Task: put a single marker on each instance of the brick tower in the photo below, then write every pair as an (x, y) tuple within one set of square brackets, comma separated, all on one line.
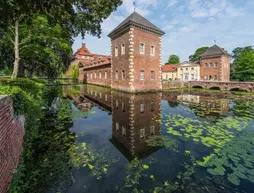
[(136, 55), (215, 64)]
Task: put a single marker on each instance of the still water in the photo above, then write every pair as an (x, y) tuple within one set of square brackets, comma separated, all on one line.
[(158, 142)]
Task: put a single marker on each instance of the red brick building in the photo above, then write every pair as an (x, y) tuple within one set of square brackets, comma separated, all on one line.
[(91, 65), (215, 64), (136, 58)]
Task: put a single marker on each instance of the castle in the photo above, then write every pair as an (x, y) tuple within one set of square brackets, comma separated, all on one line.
[(135, 61)]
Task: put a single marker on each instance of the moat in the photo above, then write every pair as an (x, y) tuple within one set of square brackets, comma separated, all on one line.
[(182, 141)]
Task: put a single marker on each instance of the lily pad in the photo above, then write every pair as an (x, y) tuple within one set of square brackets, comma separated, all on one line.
[(234, 179)]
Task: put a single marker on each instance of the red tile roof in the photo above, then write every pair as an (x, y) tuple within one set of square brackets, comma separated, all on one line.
[(169, 68), (83, 51)]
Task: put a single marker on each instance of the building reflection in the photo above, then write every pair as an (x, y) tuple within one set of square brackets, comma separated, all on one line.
[(202, 105), (133, 118), (133, 123)]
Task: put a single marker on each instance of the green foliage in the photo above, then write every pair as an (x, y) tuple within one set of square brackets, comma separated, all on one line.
[(173, 59), (196, 56), (76, 16), (243, 63)]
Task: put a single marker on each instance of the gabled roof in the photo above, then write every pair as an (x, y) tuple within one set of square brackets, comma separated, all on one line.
[(169, 68), (215, 51), (83, 51), (136, 20)]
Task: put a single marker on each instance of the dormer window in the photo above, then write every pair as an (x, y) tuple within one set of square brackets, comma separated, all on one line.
[(122, 49), (116, 51), (142, 48), (152, 50)]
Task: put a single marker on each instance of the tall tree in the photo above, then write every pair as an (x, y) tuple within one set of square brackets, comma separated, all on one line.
[(173, 59), (78, 16), (196, 56), (243, 63), (42, 47)]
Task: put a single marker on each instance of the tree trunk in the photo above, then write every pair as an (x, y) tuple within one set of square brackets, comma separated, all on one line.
[(16, 50)]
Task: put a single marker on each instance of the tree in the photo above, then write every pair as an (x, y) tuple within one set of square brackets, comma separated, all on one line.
[(244, 66), (196, 56), (42, 47), (77, 17), (173, 59)]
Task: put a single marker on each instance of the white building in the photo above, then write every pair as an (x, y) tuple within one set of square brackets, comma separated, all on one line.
[(188, 71)]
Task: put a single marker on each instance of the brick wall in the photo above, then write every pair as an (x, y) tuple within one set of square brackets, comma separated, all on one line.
[(11, 138), (221, 70), (97, 75)]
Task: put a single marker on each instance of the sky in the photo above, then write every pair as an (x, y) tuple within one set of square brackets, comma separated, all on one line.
[(188, 24)]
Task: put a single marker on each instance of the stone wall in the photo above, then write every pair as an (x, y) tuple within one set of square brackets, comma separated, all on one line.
[(171, 84), (11, 139)]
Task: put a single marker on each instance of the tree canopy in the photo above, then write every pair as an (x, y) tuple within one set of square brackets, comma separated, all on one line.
[(196, 56), (72, 17), (243, 63), (173, 59)]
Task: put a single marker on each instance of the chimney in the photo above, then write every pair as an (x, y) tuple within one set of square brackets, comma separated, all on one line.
[(83, 44)]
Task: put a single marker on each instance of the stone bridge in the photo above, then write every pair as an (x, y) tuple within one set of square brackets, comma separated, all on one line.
[(223, 86)]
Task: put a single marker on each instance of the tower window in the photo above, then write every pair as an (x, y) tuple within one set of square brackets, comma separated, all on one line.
[(142, 74), (142, 107), (142, 48), (215, 64), (152, 130), (116, 75), (152, 50), (123, 74), (123, 49), (211, 65), (117, 126), (106, 74), (100, 75), (95, 75), (142, 133), (152, 75), (116, 51), (123, 132), (152, 106)]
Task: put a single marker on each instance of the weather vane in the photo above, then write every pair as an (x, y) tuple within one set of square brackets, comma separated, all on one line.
[(214, 42), (134, 4)]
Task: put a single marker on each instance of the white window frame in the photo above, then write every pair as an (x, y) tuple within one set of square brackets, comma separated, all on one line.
[(116, 75), (142, 108), (123, 75), (142, 52), (152, 50), (122, 48), (152, 73), (117, 126), (116, 51), (142, 133), (124, 132), (152, 130), (142, 75)]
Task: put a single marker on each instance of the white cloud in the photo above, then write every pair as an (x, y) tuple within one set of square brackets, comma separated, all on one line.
[(171, 3)]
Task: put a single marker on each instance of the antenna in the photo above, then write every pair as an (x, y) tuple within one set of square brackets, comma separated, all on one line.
[(134, 4), (214, 42)]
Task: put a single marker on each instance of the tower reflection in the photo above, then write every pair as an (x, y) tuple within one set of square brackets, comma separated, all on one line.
[(133, 118)]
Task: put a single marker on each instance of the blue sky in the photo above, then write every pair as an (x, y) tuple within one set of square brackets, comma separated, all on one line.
[(189, 24)]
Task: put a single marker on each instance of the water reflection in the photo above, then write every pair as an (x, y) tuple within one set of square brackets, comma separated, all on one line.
[(134, 116)]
